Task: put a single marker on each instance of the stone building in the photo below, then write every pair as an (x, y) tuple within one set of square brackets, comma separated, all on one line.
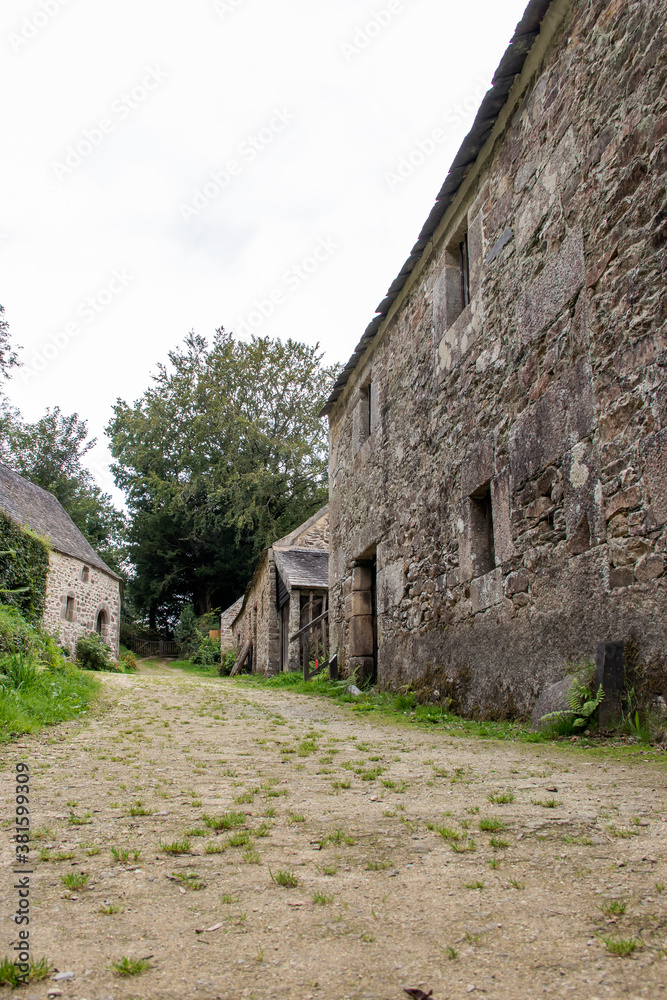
[(289, 588), (498, 462), (82, 593), (226, 621)]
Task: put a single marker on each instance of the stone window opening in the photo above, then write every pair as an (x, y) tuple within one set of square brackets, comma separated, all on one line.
[(69, 609), (464, 268), (482, 543), (85, 574)]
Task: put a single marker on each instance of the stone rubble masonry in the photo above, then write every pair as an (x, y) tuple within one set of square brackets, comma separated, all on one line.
[(258, 618), (92, 592), (541, 406)]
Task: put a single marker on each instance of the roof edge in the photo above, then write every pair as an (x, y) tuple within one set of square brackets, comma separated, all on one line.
[(511, 64)]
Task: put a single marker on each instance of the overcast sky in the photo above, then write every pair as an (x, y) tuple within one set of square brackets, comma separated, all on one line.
[(170, 165)]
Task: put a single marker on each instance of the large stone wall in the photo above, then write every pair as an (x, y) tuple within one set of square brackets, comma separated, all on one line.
[(90, 591), (540, 408), (258, 620)]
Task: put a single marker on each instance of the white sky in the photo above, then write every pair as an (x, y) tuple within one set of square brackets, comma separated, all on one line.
[(316, 101)]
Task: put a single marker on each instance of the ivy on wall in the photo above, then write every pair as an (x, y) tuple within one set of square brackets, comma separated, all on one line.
[(24, 563)]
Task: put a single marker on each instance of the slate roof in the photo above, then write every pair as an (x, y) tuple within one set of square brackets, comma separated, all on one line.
[(30, 506), (511, 64), (307, 568), (228, 617), (286, 541)]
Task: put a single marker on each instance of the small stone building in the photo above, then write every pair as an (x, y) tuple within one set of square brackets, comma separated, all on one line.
[(289, 589), (226, 621), (498, 440), (82, 593)]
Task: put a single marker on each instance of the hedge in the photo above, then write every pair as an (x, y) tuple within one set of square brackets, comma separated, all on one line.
[(24, 562)]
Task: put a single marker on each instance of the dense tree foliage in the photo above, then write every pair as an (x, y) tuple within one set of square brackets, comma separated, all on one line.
[(222, 454), (49, 453)]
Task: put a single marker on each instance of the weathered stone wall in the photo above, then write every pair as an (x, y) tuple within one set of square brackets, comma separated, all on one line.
[(259, 621), (91, 590), (542, 406), (259, 618)]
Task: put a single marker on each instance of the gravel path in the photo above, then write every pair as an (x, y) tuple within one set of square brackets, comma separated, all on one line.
[(420, 859)]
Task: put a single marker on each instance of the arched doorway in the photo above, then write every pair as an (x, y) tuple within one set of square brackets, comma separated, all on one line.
[(101, 623)]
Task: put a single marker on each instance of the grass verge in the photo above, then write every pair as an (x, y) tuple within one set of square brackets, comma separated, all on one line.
[(32, 696)]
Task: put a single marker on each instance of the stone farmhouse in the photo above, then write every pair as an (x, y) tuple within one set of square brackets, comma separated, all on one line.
[(289, 588), (498, 440), (82, 593)]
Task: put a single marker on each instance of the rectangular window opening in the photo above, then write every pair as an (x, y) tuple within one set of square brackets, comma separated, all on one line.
[(464, 267), (69, 610), (483, 548)]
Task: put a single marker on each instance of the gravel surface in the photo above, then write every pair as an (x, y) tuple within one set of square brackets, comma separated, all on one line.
[(418, 859)]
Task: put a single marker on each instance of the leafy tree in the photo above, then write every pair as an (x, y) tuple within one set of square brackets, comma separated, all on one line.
[(50, 453), (222, 454), (8, 356)]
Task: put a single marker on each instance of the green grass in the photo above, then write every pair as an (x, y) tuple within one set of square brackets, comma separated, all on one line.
[(9, 974), (130, 966), (34, 696), (501, 798), (614, 908), (322, 898), (285, 877), (176, 846), (75, 880), (491, 825), (620, 947), (227, 821)]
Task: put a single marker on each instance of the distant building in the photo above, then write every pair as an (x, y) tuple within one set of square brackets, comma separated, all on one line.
[(82, 593), (290, 587), (498, 440), (226, 621)]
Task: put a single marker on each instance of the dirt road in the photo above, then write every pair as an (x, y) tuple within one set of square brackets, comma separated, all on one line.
[(419, 859)]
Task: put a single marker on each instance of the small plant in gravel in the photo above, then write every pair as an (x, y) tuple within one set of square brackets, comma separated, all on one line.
[(239, 839), (46, 855), (618, 831), (501, 798), (329, 870), (464, 847), (227, 821), (12, 977), (545, 803), (75, 880), (176, 846), (228, 899), (498, 842), (451, 952), (215, 847), (263, 830), (138, 809), (92, 851), (124, 854), (285, 877), (295, 817), (446, 832), (620, 947), (196, 831), (84, 820), (110, 908), (493, 863), (251, 857), (474, 885), (491, 825), (322, 898), (189, 880), (515, 884), (377, 866), (614, 908), (130, 966)]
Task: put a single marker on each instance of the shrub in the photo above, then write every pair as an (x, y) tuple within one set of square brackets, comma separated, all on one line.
[(16, 634), (128, 661), (207, 653), (93, 654), (227, 663)]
